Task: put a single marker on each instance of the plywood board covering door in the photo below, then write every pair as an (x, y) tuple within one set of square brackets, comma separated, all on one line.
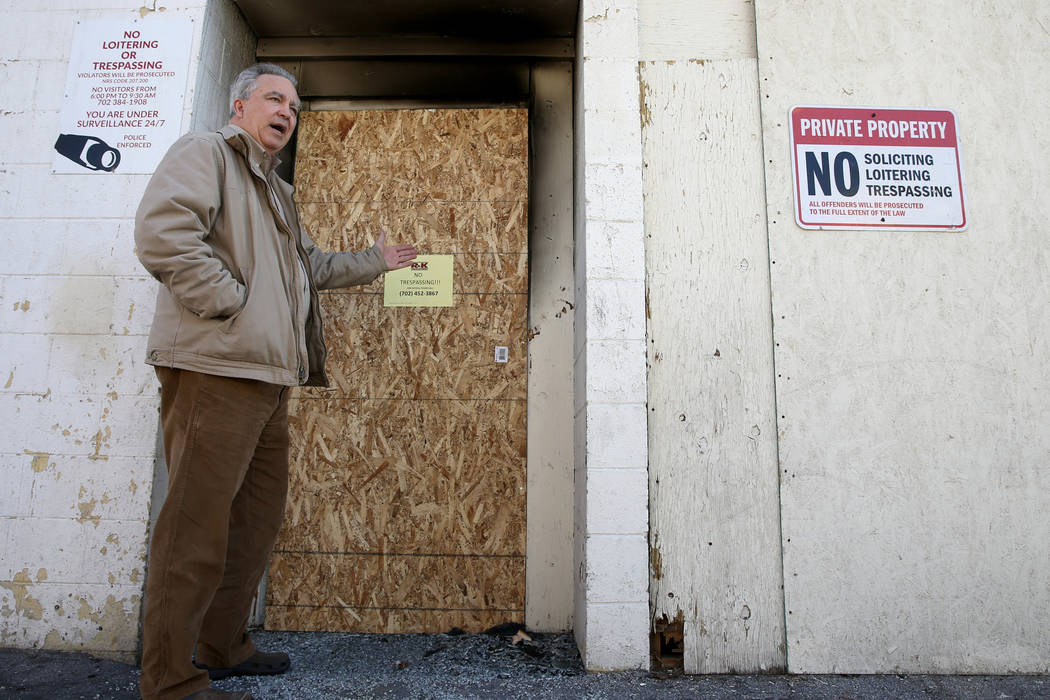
[(406, 507)]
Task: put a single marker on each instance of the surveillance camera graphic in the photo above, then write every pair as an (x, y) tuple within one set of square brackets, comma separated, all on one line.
[(90, 152)]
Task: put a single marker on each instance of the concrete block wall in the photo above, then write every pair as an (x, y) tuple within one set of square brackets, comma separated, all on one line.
[(227, 48), (612, 600), (78, 407)]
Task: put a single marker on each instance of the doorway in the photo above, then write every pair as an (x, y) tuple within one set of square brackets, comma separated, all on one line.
[(407, 488), (544, 89), (407, 501)]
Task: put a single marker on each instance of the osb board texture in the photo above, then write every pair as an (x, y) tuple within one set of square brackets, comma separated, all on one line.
[(481, 226), (713, 486), (425, 353), (406, 509), (450, 181), (470, 155), (488, 240), (407, 477), (407, 581)]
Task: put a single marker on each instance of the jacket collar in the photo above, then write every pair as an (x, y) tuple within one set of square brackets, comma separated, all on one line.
[(242, 142)]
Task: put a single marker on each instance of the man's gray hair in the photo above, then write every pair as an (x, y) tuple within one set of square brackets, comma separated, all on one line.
[(245, 82)]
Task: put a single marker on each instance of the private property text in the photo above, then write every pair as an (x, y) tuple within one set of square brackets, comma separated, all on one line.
[(875, 128)]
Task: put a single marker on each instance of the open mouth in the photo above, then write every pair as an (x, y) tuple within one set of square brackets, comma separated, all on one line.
[(279, 128)]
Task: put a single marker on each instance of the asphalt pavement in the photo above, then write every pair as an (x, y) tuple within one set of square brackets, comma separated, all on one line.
[(448, 667)]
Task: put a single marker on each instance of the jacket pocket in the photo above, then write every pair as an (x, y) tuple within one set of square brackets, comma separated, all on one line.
[(226, 325)]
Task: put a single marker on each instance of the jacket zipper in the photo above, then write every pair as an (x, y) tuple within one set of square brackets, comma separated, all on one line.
[(296, 264)]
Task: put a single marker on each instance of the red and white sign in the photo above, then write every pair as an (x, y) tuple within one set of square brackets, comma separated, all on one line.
[(875, 167)]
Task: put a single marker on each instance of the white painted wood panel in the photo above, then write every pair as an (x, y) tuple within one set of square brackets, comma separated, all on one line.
[(912, 382), (714, 514), (696, 29)]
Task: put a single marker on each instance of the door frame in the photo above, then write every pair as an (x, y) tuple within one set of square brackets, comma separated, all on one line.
[(545, 86)]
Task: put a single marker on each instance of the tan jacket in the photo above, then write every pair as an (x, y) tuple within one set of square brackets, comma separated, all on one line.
[(209, 230)]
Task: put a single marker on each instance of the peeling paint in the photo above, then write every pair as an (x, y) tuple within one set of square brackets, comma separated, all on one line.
[(40, 461), (25, 605), (643, 91), (10, 380), (566, 307), (87, 509), (86, 612), (100, 439), (54, 640), (105, 628), (113, 620), (656, 563), (143, 11), (22, 306)]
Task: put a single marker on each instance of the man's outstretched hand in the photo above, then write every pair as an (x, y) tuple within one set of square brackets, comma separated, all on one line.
[(396, 256)]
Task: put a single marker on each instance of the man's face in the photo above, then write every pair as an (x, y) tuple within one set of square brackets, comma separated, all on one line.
[(270, 113)]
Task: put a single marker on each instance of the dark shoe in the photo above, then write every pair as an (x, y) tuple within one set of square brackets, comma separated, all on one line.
[(259, 664), (213, 694)]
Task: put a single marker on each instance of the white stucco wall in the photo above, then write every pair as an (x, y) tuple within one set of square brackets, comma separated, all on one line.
[(78, 408), (912, 382), (612, 600)]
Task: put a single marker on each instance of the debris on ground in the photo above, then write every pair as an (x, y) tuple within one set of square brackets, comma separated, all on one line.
[(332, 666)]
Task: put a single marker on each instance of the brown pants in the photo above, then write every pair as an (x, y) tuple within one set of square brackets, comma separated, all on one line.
[(226, 443)]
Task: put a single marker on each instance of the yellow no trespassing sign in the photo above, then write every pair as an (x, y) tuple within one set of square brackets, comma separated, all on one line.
[(427, 282)]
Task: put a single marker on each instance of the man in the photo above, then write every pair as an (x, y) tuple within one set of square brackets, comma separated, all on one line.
[(237, 323)]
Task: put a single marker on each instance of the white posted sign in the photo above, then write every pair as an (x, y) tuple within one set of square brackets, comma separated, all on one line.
[(876, 167), (124, 94)]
